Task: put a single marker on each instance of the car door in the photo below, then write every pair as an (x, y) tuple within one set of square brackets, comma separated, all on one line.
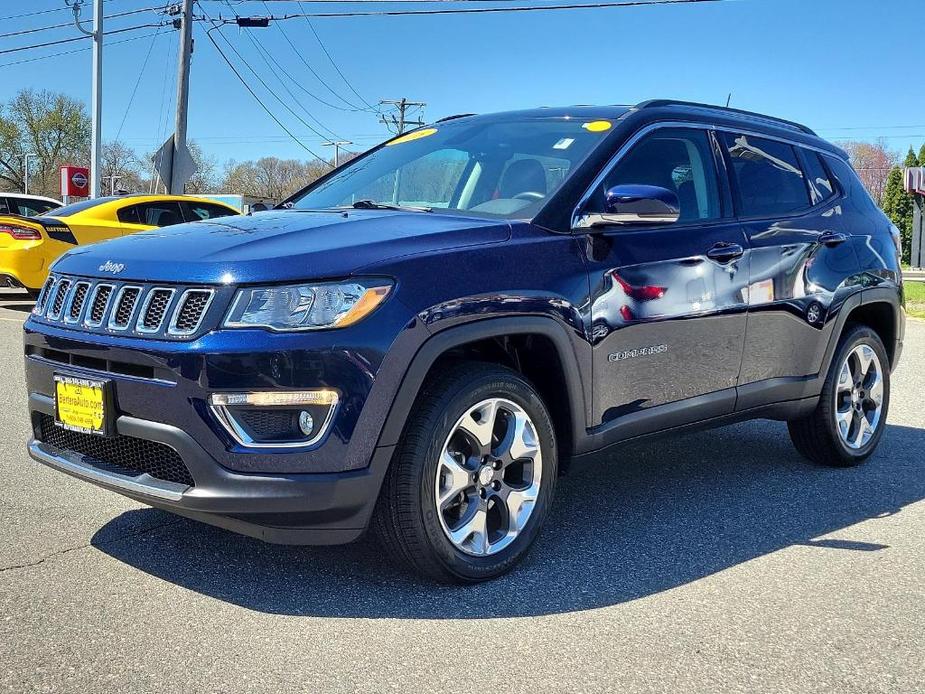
[(668, 305), (150, 215), (791, 211)]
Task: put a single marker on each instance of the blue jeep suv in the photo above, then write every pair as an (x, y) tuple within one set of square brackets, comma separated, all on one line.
[(420, 341)]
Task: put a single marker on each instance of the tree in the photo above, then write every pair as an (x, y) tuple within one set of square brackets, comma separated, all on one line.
[(898, 206), (873, 162), (922, 156), (911, 160), (52, 126), (203, 181), (121, 169), (270, 178)]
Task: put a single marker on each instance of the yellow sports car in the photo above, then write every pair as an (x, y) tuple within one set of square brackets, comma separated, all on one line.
[(29, 245)]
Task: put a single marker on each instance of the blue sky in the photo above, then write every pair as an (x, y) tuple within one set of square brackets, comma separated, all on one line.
[(844, 67)]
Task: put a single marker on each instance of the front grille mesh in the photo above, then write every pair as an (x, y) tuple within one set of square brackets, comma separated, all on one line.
[(174, 312), (122, 454), (77, 303), (126, 307), (269, 424), (190, 313), (157, 308), (60, 296), (98, 309)]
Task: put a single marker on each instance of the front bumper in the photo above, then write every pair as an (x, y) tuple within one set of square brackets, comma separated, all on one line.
[(323, 508)]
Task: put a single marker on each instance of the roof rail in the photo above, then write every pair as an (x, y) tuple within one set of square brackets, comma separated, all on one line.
[(458, 115), (653, 103)]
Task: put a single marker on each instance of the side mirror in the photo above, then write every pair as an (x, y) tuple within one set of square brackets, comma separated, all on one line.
[(634, 204)]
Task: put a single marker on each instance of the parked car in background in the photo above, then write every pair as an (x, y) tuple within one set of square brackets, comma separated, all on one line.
[(421, 340), (26, 205), (30, 244)]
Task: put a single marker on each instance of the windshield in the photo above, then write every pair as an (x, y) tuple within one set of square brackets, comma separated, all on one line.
[(495, 168)]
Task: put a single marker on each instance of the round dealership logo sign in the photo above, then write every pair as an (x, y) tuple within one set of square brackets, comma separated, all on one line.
[(79, 179)]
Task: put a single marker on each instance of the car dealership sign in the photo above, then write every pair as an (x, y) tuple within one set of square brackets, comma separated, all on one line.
[(75, 181)]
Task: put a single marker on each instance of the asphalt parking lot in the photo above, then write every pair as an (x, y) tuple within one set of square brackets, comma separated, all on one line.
[(714, 561)]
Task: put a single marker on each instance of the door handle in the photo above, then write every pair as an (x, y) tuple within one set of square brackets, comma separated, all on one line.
[(724, 251), (832, 238)]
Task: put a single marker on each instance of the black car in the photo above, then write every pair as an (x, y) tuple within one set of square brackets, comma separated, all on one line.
[(424, 339)]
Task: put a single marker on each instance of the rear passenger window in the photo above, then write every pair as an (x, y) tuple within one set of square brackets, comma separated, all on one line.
[(820, 183), (768, 177)]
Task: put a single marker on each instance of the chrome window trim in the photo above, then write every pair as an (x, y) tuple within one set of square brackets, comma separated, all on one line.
[(57, 316), (230, 424), (69, 304), (172, 325), (124, 288), (139, 321), (92, 300), (659, 125)]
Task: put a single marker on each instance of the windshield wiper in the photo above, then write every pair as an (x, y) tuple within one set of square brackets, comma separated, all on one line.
[(373, 205)]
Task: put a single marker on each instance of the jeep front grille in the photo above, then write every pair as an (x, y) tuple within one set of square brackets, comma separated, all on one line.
[(134, 308)]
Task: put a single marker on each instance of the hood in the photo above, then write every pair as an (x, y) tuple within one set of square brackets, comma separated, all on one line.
[(277, 246)]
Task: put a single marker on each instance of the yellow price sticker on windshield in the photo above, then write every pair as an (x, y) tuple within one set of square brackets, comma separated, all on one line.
[(598, 126), (416, 135)]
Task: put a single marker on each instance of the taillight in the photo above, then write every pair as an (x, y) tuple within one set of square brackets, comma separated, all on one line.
[(20, 233), (644, 293)]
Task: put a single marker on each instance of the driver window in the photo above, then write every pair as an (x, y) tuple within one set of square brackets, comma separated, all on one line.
[(679, 159)]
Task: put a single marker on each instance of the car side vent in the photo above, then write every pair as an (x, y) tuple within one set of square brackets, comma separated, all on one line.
[(125, 308)]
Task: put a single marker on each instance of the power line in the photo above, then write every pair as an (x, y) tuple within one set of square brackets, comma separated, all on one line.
[(77, 38), (79, 50), (141, 73), (62, 25), (40, 12), (487, 10), (257, 98), (331, 59)]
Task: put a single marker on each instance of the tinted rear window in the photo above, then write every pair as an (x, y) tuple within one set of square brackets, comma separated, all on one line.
[(768, 178)]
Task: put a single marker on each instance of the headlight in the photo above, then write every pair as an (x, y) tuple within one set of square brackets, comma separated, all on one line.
[(306, 306)]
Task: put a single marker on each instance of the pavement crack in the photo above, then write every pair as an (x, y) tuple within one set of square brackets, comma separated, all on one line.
[(104, 543)]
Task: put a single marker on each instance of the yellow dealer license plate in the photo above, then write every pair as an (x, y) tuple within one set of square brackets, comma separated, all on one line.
[(81, 404)]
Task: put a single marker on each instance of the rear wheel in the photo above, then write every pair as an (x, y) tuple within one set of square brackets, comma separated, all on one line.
[(848, 423), (473, 478)]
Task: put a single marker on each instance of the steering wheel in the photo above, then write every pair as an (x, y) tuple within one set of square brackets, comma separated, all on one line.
[(529, 195)]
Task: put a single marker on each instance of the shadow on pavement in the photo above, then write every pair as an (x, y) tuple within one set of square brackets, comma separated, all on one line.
[(642, 519)]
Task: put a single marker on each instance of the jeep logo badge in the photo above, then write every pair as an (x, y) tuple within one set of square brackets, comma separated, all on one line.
[(114, 268)]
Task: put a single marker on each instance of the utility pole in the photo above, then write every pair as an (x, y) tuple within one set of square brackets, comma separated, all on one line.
[(96, 100), (403, 106), (25, 165), (336, 144), (177, 175)]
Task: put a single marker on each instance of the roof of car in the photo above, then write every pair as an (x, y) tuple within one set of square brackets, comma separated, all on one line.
[(24, 196)]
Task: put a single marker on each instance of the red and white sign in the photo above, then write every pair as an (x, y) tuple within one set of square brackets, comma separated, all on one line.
[(75, 181)]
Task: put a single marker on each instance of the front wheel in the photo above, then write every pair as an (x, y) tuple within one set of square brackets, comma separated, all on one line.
[(848, 423), (473, 478)]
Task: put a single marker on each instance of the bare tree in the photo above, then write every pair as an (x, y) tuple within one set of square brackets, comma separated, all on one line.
[(872, 161), (270, 178), (52, 126), (121, 168)]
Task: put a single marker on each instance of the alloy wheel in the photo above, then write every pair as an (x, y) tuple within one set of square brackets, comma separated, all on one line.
[(488, 477), (859, 397)]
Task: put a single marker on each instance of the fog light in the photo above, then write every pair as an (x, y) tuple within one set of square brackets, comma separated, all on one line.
[(276, 419)]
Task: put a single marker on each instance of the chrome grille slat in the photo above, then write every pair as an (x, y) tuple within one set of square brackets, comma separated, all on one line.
[(154, 310), (75, 305), (109, 306)]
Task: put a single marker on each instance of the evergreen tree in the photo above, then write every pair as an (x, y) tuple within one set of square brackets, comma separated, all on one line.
[(898, 205), (922, 156), (911, 160)]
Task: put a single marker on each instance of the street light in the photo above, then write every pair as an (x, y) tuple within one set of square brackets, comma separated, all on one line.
[(25, 177)]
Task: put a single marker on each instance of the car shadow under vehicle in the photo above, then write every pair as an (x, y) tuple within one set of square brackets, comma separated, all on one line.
[(640, 519)]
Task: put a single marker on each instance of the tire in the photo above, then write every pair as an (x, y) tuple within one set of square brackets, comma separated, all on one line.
[(818, 436), (410, 519)]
